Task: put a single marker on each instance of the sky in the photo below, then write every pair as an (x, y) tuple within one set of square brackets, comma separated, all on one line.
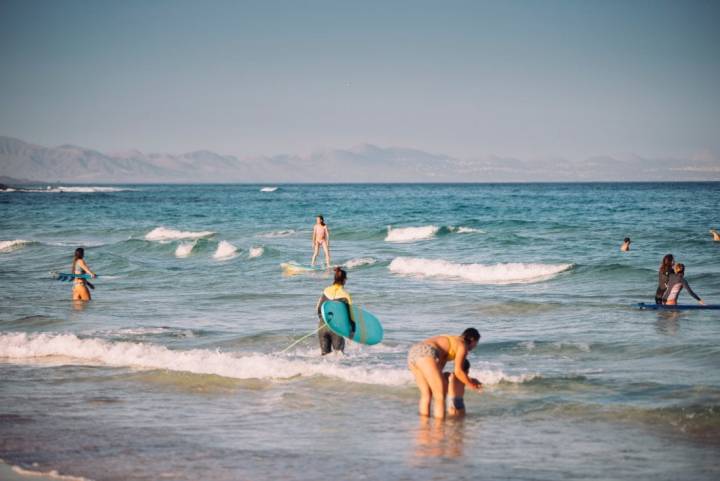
[(521, 79)]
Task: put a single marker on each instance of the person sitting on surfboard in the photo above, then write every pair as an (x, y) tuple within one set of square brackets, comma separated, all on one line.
[(427, 359), (330, 341), (80, 290), (675, 284), (666, 268), (321, 237), (456, 391)]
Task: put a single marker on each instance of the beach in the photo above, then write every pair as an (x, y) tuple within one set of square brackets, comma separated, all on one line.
[(176, 370)]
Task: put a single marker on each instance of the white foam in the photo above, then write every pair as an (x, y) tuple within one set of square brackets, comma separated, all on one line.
[(225, 250), (60, 348), (185, 249), (360, 261), (278, 233), (164, 234), (256, 252), (467, 230), (53, 474), (411, 234), (268, 189), (11, 245), (510, 273)]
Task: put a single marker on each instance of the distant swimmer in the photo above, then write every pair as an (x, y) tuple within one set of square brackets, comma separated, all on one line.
[(80, 290), (625, 245), (675, 284), (321, 237), (330, 341), (666, 268), (715, 234), (427, 359), (456, 391)]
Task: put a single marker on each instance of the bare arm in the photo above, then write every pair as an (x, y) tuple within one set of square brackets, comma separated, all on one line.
[(81, 263), (460, 374)]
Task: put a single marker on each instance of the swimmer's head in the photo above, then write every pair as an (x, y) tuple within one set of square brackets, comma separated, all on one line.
[(340, 276), (680, 268), (627, 240), (79, 253), (321, 219), (471, 336)]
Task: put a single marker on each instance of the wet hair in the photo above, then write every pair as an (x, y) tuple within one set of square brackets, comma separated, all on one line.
[(627, 239), (340, 276), (79, 254), (667, 262), (322, 219), (470, 334), (681, 268), (466, 366)]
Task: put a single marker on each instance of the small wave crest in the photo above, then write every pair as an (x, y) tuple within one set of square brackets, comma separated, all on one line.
[(185, 249), (278, 233), (29, 347), (466, 230), (11, 245), (225, 250), (360, 261), (510, 273), (256, 252), (77, 189), (411, 234), (164, 234), (268, 189)]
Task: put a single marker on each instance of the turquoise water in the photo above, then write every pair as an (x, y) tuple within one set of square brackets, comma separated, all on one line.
[(175, 370)]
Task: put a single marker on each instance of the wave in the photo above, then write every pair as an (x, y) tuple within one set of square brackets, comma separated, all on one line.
[(11, 245), (268, 189), (22, 473), (466, 230), (256, 252), (94, 351), (225, 250), (185, 249), (164, 234), (278, 233), (510, 273), (411, 234), (360, 261)]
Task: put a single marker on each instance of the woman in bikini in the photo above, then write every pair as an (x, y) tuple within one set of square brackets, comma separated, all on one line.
[(427, 359), (80, 290), (321, 237)]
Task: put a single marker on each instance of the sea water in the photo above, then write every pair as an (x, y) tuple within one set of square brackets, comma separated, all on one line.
[(176, 369)]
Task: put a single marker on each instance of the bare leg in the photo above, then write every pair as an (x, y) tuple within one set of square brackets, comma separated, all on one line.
[(315, 253), (80, 293), (327, 255), (434, 378), (424, 387)]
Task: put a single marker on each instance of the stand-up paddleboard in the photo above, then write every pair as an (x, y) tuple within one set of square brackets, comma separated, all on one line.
[(62, 276), (367, 327), (677, 307), (293, 268)]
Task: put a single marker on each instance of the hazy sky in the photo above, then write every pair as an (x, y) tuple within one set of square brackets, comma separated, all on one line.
[(528, 79)]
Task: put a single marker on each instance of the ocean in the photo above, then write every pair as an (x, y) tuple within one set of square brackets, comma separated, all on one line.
[(175, 370)]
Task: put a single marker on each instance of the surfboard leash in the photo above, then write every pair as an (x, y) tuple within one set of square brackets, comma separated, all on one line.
[(302, 339)]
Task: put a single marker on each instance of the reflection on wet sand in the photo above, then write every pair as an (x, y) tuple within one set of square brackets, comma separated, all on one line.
[(439, 439)]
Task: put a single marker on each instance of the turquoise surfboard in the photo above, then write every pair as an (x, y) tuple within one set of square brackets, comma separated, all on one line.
[(368, 329), (62, 276)]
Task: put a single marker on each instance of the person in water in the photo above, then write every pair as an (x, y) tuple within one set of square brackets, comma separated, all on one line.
[(675, 284), (456, 391), (666, 268), (321, 238), (625, 245), (427, 359), (330, 341), (80, 290), (715, 234)]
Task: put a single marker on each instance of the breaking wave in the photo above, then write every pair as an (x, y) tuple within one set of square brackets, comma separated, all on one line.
[(164, 234)]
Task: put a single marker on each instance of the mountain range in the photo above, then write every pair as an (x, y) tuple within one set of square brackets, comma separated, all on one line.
[(363, 163)]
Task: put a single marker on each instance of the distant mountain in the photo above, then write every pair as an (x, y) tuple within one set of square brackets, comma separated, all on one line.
[(363, 163)]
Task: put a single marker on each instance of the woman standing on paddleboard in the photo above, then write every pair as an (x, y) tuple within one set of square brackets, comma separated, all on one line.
[(80, 290), (427, 360), (321, 237), (330, 341)]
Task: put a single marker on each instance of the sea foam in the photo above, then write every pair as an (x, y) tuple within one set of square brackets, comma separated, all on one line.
[(411, 234), (11, 245), (225, 250), (164, 234), (360, 261), (93, 351), (268, 189), (510, 273), (256, 252), (185, 249), (77, 189)]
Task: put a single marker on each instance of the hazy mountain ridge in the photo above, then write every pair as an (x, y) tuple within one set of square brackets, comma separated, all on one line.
[(362, 163)]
